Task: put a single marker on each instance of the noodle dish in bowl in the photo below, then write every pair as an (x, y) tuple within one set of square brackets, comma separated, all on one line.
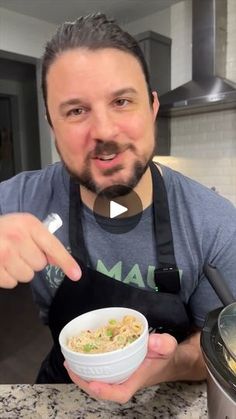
[(107, 344)]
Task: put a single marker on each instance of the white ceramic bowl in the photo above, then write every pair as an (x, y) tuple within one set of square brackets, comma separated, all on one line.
[(109, 367)]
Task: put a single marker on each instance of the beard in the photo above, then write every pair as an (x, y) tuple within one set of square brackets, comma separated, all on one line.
[(86, 179)]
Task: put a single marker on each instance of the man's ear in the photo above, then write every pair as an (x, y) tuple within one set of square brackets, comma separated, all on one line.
[(50, 126), (155, 104), (47, 118)]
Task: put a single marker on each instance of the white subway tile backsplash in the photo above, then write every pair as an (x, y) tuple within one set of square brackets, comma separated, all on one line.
[(203, 147)]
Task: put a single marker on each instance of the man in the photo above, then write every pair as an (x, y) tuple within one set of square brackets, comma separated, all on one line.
[(102, 113)]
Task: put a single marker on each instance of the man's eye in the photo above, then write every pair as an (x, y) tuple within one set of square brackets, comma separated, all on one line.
[(121, 102), (75, 112)]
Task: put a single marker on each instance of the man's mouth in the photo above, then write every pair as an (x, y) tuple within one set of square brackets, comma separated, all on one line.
[(107, 163), (106, 152), (106, 157)]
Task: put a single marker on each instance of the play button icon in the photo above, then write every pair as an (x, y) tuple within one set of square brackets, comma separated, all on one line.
[(116, 209), (120, 212)]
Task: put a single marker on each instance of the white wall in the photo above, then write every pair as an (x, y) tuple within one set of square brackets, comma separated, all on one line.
[(231, 44), (158, 22), (181, 50), (23, 34)]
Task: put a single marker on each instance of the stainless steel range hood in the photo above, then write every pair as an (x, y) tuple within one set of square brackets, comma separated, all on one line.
[(208, 90)]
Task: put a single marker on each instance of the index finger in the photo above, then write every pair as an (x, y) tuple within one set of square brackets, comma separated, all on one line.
[(54, 249)]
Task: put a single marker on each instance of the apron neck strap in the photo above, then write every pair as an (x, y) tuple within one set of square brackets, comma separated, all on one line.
[(161, 219), (76, 235)]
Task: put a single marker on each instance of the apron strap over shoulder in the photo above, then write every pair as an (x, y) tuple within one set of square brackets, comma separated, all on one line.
[(75, 223), (162, 223)]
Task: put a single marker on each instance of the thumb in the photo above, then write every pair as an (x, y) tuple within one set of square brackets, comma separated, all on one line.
[(161, 345)]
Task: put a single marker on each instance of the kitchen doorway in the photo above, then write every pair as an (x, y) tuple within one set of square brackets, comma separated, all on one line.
[(7, 158), (19, 124)]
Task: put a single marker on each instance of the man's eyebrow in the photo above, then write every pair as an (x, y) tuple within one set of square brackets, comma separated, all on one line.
[(123, 91), (69, 102)]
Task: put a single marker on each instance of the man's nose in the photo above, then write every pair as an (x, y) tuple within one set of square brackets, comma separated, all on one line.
[(103, 126)]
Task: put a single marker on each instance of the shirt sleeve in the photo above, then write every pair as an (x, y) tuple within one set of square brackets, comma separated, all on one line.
[(204, 299), (9, 193)]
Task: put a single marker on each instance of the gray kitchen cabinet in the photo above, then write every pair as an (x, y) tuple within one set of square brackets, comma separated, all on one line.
[(157, 52)]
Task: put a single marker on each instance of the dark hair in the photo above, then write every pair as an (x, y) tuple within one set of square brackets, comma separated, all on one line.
[(94, 31)]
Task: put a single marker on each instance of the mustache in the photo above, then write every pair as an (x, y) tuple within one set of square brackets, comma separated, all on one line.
[(110, 147)]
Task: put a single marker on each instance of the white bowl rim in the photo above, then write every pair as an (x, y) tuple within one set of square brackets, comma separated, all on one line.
[(110, 353)]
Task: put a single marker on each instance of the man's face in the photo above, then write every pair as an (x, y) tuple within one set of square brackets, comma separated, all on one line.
[(101, 116)]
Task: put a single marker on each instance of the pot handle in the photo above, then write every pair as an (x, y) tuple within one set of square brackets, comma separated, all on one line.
[(219, 284)]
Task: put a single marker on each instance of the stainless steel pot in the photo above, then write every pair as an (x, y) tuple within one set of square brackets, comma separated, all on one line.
[(221, 380)]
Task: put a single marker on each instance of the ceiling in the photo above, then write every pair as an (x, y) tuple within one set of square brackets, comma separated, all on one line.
[(57, 11)]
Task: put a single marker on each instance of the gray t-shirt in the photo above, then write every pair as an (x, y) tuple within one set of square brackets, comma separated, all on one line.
[(203, 226)]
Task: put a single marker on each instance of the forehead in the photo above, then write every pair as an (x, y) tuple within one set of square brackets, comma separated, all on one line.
[(89, 66)]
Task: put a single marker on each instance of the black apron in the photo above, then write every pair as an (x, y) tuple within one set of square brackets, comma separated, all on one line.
[(162, 307)]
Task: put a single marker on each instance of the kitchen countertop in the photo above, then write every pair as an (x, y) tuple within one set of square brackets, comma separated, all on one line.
[(171, 400)]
